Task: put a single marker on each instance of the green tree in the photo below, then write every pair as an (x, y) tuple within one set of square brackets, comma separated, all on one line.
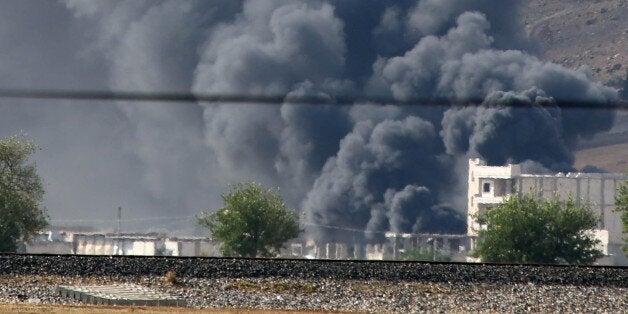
[(530, 229), (21, 193), (254, 222), (621, 205)]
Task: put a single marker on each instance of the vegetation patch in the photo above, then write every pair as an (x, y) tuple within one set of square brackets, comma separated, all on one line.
[(171, 278)]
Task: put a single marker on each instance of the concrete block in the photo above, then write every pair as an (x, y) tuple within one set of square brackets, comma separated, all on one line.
[(122, 294)]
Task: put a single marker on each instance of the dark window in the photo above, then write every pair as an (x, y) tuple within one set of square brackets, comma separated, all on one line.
[(487, 187)]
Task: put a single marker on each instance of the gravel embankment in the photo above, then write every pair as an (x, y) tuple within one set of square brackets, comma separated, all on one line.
[(329, 286)]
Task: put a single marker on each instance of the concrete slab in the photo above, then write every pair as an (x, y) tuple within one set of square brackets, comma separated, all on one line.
[(122, 294)]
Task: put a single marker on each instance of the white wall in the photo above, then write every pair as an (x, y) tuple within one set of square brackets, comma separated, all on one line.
[(598, 190)]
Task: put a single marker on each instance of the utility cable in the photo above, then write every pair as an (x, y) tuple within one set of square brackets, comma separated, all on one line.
[(131, 96)]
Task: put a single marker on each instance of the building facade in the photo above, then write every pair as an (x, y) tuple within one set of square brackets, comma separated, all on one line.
[(492, 185)]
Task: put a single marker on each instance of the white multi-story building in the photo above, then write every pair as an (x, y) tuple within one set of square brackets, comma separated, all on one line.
[(491, 185), (488, 186)]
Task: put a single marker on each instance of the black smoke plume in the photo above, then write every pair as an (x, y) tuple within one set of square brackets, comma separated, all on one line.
[(355, 172)]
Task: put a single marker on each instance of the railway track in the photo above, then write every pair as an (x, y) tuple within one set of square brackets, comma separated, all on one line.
[(207, 267)]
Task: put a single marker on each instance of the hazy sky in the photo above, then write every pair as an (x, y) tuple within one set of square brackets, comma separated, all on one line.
[(364, 167)]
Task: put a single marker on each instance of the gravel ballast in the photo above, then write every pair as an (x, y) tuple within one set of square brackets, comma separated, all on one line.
[(327, 285)]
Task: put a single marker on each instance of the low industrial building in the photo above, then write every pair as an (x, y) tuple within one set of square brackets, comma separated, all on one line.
[(94, 243), (453, 246)]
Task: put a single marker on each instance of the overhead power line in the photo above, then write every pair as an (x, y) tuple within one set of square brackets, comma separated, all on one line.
[(285, 99)]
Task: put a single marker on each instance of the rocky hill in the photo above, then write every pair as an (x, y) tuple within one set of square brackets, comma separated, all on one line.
[(577, 33), (591, 33)]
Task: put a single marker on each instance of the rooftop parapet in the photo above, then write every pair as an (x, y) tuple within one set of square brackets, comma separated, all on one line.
[(479, 169)]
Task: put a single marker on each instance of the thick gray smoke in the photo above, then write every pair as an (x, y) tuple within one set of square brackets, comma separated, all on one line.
[(374, 160), (460, 64), (355, 172)]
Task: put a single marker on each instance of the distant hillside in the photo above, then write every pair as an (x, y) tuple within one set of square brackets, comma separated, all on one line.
[(591, 33), (582, 32), (613, 158)]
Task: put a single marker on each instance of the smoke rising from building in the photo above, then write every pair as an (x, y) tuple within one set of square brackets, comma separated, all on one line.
[(364, 167)]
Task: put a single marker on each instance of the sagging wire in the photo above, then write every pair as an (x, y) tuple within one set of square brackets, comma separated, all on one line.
[(344, 100)]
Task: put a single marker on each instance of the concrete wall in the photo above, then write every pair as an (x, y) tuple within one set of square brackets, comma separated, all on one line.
[(595, 189), (455, 246), (56, 247), (133, 244), (193, 247)]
